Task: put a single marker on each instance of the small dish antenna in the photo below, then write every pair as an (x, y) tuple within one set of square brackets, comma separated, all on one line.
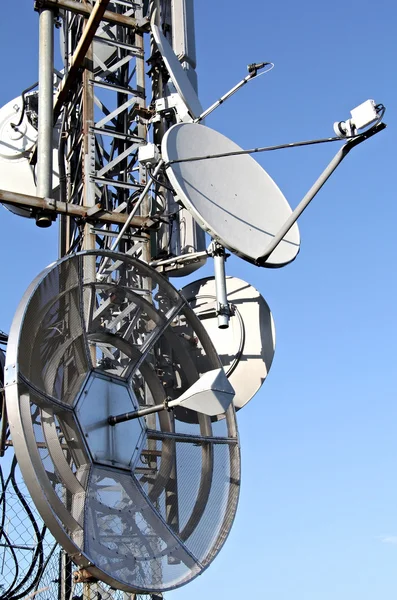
[(232, 198), (143, 502), (246, 348)]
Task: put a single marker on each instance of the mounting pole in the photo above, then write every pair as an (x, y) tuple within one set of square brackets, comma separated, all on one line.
[(46, 66), (223, 310)]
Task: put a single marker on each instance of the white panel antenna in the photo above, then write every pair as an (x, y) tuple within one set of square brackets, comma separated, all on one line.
[(246, 348)]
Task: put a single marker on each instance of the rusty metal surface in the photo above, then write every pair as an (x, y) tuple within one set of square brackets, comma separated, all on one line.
[(66, 208)]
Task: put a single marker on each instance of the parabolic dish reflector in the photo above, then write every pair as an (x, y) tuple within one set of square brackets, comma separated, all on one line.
[(144, 505), (246, 348), (177, 73), (232, 198), (16, 174)]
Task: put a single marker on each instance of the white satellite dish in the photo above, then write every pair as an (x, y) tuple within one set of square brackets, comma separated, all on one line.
[(246, 348), (232, 198), (16, 174), (16, 143), (177, 73), (145, 504)]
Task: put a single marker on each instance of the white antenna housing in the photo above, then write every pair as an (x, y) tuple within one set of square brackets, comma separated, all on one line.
[(363, 115), (210, 395)]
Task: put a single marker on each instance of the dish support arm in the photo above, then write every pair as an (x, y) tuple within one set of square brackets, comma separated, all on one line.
[(316, 187)]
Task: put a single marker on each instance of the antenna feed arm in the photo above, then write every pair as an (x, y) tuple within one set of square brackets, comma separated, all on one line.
[(252, 72), (316, 187)]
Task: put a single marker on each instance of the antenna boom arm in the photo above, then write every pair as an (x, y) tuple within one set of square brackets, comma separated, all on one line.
[(316, 187), (253, 73)]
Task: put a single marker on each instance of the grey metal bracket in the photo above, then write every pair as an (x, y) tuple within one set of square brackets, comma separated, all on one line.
[(223, 309), (316, 187)]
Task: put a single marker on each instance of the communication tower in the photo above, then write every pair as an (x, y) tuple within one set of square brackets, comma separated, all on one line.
[(120, 393)]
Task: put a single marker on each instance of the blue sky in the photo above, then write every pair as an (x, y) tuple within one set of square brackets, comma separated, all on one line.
[(317, 518)]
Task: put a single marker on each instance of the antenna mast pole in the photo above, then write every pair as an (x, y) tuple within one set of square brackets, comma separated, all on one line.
[(103, 111), (98, 151)]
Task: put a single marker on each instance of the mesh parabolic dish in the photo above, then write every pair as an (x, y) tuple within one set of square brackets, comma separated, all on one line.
[(147, 504), (232, 198), (246, 348)]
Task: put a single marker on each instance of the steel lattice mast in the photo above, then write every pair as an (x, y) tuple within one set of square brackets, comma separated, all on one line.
[(120, 159), (102, 110)]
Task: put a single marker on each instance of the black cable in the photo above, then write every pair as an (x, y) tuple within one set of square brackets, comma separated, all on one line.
[(43, 568), (131, 199), (164, 185), (3, 534), (29, 89), (76, 242), (2, 499), (38, 555), (39, 552), (40, 571), (10, 590), (282, 146), (3, 420)]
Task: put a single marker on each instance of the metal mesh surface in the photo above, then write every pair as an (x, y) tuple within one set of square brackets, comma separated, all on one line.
[(147, 505), (31, 562), (217, 517), (126, 535), (29, 554), (52, 354)]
